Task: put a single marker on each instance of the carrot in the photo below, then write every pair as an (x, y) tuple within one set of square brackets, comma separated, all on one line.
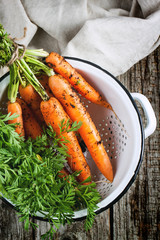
[(61, 66), (53, 114), (43, 79), (63, 173), (75, 109), (33, 100), (16, 108), (31, 125)]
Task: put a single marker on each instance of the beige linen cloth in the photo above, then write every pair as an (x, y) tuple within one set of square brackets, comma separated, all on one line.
[(114, 34)]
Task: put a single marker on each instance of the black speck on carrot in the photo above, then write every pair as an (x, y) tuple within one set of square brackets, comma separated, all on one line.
[(72, 105), (71, 75), (50, 65)]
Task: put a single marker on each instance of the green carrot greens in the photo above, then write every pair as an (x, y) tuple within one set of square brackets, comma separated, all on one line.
[(29, 178), (24, 64), (29, 169)]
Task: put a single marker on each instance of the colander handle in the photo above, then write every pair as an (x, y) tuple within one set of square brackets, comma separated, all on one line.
[(149, 113)]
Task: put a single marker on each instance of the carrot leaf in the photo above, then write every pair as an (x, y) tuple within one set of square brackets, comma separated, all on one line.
[(29, 178), (6, 47), (23, 65)]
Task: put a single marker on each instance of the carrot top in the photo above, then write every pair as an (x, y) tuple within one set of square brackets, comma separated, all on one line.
[(30, 171)]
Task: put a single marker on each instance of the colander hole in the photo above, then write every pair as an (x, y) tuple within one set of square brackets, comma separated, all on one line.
[(106, 124), (102, 129), (100, 124), (110, 122), (86, 106), (111, 132), (106, 133), (103, 120), (122, 149)]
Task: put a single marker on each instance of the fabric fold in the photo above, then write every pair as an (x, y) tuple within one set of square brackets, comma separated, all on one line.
[(113, 34)]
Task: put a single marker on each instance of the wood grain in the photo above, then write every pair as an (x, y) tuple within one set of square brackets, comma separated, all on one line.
[(136, 215)]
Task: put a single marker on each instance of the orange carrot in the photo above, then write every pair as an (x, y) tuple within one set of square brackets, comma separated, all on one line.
[(33, 100), (76, 111), (63, 173), (43, 79), (16, 108), (31, 125), (53, 114), (61, 66)]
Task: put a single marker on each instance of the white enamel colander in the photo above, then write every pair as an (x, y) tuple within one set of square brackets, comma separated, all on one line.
[(123, 139)]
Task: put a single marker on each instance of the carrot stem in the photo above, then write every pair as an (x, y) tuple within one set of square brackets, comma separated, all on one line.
[(49, 71), (22, 81), (32, 79), (36, 52), (13, 84)]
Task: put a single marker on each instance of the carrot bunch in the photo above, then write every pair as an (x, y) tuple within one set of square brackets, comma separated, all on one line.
[(62, 85), (32, 97), (51, 100)]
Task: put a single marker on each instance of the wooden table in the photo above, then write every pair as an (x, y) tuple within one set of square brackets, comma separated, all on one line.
[(135, 215)]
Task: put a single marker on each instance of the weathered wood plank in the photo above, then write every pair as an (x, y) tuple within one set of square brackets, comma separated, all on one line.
[(76, 231), (136, 215), (10, 227)]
